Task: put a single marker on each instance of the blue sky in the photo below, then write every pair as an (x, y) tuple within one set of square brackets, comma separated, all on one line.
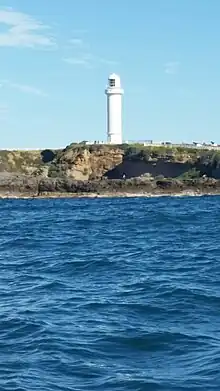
[(56, 56)]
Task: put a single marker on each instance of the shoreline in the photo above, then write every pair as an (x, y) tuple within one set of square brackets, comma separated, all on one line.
[(57, 195)]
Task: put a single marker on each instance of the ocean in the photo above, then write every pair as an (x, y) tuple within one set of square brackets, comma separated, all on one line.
[(110, 294)]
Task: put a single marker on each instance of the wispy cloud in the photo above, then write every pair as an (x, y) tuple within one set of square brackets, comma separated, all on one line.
[(171, 68), (82, 54), (88, 61), (76, 41), (77, 61), (23, 88), (28, 89), (23, 30)]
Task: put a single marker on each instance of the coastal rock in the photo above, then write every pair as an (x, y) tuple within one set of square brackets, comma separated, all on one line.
[(20, 162), (11, 183), (81, 163), (24, 185), (93, 162)]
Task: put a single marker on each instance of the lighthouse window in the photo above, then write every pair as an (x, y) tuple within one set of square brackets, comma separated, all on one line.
[(112, 82)]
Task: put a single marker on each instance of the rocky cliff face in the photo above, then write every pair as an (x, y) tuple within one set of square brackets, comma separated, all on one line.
[(85, 163), (76, 162), (13, 185), (82, 162), (21, 162)]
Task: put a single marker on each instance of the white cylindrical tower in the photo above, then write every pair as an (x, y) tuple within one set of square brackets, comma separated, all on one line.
[(114, 94)]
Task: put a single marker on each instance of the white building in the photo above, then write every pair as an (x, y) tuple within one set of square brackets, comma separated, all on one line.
[(114, 94)]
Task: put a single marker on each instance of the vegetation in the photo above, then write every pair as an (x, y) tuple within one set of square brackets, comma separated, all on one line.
[(191, 174), (55, 163), (20, 161), (141, 152), (133, 153)]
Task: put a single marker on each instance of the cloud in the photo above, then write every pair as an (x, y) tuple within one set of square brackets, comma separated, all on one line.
[(171, 68), (76, 41), (23, 30), (82, 53), (28, 89), (77, 61), (88, 61), (23, 88)]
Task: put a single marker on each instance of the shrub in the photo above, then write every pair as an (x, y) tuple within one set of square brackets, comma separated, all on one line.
[(215, 161), (144, 154), (191, 174), (132, 153)]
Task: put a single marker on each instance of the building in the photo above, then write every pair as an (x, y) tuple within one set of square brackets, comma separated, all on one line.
[(114, 94)]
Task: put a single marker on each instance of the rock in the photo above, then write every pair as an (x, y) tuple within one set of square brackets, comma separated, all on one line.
[(83, 162), (18, 183), (80, 163), (164, 184)]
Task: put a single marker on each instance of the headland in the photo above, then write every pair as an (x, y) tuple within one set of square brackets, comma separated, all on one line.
[(81, 170)]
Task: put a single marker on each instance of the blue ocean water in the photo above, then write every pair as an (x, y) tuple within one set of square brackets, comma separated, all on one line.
[(110, 294)]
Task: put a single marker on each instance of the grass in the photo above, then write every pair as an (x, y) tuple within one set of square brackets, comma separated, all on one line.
[(30, 161)]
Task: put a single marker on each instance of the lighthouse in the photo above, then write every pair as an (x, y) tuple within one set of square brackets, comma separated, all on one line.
[(114, 94)]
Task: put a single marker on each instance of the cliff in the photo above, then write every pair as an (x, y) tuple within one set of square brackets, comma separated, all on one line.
[(81, 169), (20, 186), (82, 162), (75, 161), (20, 162)]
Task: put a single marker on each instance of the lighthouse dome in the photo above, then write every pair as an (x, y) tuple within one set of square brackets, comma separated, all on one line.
[(114, 80)]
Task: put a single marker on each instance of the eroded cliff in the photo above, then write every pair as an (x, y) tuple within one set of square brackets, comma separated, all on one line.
[(83, 162)]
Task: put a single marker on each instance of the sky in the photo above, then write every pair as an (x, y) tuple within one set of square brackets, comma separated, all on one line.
[(56, 56)]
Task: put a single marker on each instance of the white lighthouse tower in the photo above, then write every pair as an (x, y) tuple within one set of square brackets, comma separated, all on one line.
[(114, 94)]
